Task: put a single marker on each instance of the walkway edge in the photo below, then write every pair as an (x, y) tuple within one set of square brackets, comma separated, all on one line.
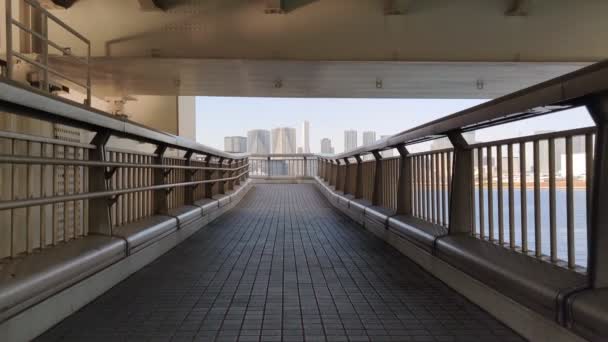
[(524, 321), (35, 320)]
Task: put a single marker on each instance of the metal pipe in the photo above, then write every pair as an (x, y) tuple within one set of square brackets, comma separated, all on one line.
[(552, 210), (72, 162), (570, 203), (6, 205)]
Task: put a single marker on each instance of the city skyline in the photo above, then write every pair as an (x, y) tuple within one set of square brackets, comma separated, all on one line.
[(329, 118)]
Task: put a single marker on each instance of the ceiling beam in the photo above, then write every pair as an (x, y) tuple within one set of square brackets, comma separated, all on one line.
[(518, 8), (396, 7)]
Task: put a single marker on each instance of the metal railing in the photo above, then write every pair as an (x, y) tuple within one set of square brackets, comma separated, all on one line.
[(42, 60), (283, 166), (485, 189), (56, 187)]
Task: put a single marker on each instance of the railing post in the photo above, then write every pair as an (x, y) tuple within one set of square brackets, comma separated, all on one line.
[(359, 177), (346, 175), (597, 230), (377, 194), (305, 167), (268, 166), (208, 176), (161, 204), (221, 186), (462, 200), (337, 175), (99, 208), (404, 187), (238, 171), (189, 190), (231, 174)]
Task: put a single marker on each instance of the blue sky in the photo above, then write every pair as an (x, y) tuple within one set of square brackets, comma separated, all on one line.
[(218, 117)]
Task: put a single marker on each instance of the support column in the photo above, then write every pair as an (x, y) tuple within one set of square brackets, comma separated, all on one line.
[(208, 175), (462, 199), (359, 180), (221, 186), (189, 190), (346, 175), (597, 230), (239, 163), (404, 187), (161, 204), (377, 194), (99, 208)]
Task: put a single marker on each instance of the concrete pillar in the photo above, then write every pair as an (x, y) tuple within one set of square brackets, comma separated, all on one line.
[(186, 117), (597, 230), (404, 190), (377, 194), (462, 198)]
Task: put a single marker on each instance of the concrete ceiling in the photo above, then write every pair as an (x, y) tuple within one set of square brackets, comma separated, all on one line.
[(217, 77), (333, 48), (429, 30)]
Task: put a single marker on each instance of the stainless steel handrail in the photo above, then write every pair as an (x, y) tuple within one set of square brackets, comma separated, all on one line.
[(5, 205), (75, 162)]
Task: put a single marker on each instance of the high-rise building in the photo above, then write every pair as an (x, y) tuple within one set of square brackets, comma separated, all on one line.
[(258, 141), (350, 140), (235, 144), (326, 146), (283, 140), (369, 137), (300, 150), (306, 137)]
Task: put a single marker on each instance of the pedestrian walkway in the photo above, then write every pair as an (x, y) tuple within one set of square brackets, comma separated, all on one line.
[(281, 266)]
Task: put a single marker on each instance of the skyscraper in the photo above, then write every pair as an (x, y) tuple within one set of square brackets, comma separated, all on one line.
[(350, 140), (283, 140), (306, 137), (258, 141), (326, 146), (235, 144), (369, 137)]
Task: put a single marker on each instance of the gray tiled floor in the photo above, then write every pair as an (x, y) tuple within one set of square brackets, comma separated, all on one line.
[(282, 266)]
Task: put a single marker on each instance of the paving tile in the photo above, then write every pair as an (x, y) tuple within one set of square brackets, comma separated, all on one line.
[(281, 266)]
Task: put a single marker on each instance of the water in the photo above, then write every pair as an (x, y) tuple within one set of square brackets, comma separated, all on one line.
[(580, 221)]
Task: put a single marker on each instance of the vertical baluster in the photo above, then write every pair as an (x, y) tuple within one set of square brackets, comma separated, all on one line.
[(523, 186), (489, 164), (570, 202), (444, 217), (113, 211), (552, 211), (430, 180), (449, 185), (435, 176), (65, 192), (427, 194), (12, 197), (43, 194), (588, 173), (537, 208), (415, 186), (480, 192), (54, 225), (511, 196), (499, 173), (28, 235)]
